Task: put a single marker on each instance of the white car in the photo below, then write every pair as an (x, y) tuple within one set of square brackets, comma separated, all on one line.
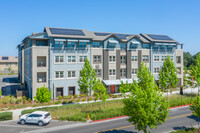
[(37, 117)]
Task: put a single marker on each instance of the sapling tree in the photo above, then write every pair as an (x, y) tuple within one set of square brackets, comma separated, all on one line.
[(124, 88), (145, 106), (100, 91), (195, 107), (167, 75), (87, 78), (43, 95)]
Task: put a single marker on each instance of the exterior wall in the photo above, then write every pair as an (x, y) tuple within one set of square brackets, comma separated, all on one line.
[(65, 82), (44, 52), (179, 52), (5, 65)]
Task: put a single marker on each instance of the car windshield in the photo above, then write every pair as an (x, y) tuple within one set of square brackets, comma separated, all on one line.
[(46, 115)]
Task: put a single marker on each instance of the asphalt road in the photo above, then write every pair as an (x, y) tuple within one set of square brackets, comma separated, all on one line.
[(179, 119)]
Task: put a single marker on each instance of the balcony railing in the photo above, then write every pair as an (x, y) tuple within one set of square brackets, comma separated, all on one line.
[(41, 64), (41, 80)]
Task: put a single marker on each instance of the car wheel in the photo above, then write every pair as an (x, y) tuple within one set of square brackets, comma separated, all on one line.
[(22, 122), (40, 123)]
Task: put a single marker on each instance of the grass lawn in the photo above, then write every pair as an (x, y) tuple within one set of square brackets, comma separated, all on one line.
[(188, 130), (98, 110)]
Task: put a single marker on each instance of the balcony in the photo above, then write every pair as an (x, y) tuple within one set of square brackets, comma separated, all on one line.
[(41, 77), (41, 61)]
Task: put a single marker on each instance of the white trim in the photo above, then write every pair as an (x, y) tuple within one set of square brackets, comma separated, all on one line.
[(79, 58), (113, 41), (59, 62), (72, 40), (135, 42), (60, 40), (84, 40), (71, 74), (59, 75), (71, 62)]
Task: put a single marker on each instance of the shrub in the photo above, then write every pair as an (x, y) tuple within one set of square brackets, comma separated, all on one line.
[(59, 97), (75, 96), (24, 99), (57, 102), (90, 99), (83, 100), (19, 100), (70, 101), (6, 100), (29, 100), (78, 100), (5, 116), (12, 100), (65, 102)]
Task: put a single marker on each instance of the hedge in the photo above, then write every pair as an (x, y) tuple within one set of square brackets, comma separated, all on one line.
[(6, 116)]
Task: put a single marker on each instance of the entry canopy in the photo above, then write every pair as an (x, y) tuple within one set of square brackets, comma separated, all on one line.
[(118, 81)]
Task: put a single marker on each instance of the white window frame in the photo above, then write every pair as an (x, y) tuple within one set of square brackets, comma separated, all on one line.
[(99, 72), (82, 56), (71, 74), (59, 59), (134, 71), (59, 75), (71, 59), (122, 59), (163, 57), (122, 72), (177, 59), (112, 72), (133, 58), (156, 70), (156, 59), (144, 59), (112, 59), (98, 60)]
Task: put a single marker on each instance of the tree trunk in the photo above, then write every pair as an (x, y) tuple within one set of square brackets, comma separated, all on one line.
[(198, 90)]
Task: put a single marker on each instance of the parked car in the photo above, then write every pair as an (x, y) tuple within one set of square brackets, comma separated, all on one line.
[(37, 117)]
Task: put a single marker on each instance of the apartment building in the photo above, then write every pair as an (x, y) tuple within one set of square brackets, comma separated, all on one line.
[(55, 57), (8, 64)]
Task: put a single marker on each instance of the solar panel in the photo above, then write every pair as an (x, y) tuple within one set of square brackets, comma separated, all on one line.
[(160, 37), (4, 58), (67, 31), (122, 36), (101, 34)]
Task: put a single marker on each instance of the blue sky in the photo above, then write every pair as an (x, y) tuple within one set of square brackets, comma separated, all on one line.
[(180, 19)]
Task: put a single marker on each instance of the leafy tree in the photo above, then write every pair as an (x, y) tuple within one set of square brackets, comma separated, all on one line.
[(145, 106), (195, 72), (0, 93), (195, 107), (167, 75), (43, 95), (87, 78), (124, 88), (100, 91)]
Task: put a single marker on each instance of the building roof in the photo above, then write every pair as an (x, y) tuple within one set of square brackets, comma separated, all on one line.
[(10, 59)]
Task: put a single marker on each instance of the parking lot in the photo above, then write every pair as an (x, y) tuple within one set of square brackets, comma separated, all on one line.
[(14, 127)]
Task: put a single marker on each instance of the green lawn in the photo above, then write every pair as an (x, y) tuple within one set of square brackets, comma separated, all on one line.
[(98, 110)]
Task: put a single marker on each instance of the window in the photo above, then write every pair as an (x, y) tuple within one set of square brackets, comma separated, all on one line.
[(71, 45), (133, 46), (156, 58), (96, 44), (123, 72), (178, 59), (162, 48), (82, 45), (146, 46), (71, 74), (71, 59), (145, 58), (134, 58), (98, 72), (82, 58), (178, 70), (59, 74), (169, 47), (123, 59), (112, 72), (163, 58), (134, 71), (155, 47), (59, 59), (59, 44), (156, 70), (111, 45), (123, 46), (112, 58), (97, 59)]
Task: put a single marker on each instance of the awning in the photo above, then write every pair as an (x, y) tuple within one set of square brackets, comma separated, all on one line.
[(72, 40), (135, 42), (165, 44), (113, 41), (60, 40), (84, 40), (118, 81)]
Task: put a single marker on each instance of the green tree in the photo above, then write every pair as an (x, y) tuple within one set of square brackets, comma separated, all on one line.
[(0, 94), (100, 91), (43, 95), (195, 72), (145, 106), (167, 75), (124, 88), (188, 59), (195, 107), (87, 78)]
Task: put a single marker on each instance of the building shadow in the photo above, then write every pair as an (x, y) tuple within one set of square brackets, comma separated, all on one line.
[(118, 131)]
